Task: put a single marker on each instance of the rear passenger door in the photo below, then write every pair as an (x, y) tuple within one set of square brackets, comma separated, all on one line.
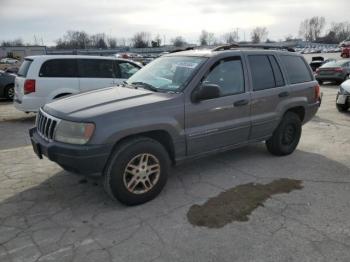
[(96, 73), (269, 93)]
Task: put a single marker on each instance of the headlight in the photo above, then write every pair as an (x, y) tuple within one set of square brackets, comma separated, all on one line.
[(73, 132)]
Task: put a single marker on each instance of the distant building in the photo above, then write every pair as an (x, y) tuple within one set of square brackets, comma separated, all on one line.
[(20, 52)]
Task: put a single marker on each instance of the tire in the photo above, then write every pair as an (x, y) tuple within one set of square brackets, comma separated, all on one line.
[(342, 108), (286, 137), (10, 92), (132, 153), (320, 82)]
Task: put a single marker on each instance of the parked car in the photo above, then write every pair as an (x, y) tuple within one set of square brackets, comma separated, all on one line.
[(10, 61), (318, 61), (334, 71), (345, 51), (179, 107), (7, 81), (343, 97), (42, 79)]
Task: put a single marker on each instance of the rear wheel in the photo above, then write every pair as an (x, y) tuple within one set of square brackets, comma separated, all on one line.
[(286, 137), (342, 108), (137, 171), (10, 92)]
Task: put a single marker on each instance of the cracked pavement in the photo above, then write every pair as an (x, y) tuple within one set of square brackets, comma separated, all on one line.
[(47, 214)]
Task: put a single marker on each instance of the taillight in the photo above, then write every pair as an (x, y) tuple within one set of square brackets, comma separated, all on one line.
[(29, 86), (317, 92), (338, 69)]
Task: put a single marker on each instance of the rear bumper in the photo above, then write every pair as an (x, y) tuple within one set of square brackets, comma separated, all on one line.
[(29, 103), (346, 101), (81, 159), (311, 110), (330, 77)]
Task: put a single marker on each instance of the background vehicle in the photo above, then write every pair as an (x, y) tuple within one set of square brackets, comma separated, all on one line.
[(7, 83), (334, 71), (179, 107), (42, 79), (345, 51), (318, 61), (343, 97), (10, 61)]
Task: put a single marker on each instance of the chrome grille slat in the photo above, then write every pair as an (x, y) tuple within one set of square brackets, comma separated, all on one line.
[(46, 125)]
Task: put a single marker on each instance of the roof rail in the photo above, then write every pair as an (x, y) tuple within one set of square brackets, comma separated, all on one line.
[(234, 46), (183, 49)]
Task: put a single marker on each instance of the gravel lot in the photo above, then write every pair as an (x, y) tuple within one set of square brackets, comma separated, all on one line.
[(47, 214)]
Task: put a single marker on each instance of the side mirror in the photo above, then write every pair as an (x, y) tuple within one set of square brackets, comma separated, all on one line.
[(206, 91)]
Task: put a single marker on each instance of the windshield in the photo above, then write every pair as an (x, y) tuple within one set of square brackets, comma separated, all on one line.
[(166, 73)]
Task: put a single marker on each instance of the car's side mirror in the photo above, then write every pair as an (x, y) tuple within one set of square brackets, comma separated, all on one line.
[(206, 91)]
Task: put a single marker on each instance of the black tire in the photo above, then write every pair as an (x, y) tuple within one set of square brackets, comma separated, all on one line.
[(342, 108), (286, 137), (10, 92), (114, 177)]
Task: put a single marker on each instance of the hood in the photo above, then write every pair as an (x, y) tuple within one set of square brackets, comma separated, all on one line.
[(102, 101)]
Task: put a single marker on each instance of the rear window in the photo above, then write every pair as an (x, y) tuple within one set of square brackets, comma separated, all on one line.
[(23, 70), (334, 64), (96, 68), (59, 68), (296, 68)]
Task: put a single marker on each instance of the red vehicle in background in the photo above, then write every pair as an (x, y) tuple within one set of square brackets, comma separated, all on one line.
[(345, 51)]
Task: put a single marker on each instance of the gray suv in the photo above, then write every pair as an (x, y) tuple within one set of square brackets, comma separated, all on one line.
[(179, 107)]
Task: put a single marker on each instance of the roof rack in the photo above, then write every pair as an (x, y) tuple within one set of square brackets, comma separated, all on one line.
[(182, 49), (234, 46)]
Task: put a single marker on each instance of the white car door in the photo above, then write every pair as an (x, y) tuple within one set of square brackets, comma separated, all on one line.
[(95, 73)]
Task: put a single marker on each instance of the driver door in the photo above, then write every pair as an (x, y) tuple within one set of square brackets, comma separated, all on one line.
[(221, 122)]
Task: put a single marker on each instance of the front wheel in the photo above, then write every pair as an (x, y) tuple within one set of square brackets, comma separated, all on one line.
[(137, 171), (286, 137), (342, 108)]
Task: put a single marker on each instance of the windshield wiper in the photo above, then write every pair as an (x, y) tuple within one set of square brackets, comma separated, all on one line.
[(145, 86)]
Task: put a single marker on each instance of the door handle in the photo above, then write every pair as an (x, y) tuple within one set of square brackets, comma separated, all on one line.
[(283, 94), (241, 102)]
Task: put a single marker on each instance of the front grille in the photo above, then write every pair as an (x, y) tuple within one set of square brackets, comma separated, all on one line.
[(46, 125)]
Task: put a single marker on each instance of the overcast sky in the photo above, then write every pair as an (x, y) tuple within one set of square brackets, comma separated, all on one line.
[(49, 19)]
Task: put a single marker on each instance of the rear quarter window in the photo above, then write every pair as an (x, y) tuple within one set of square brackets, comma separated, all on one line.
[(23, 70), (296, 69), (59, 68)]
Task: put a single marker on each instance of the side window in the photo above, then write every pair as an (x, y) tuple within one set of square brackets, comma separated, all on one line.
[(228, 75), (279, 81), (127, 69), (59, 68), (296, 68), (261, 72), (96, 68)]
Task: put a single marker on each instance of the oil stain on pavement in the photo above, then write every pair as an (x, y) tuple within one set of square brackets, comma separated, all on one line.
[(237, 203)]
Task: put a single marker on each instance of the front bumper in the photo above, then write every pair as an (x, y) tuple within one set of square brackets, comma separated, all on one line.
[(81, 159)]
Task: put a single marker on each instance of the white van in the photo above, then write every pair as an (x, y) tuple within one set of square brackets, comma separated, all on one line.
[(42, 79)]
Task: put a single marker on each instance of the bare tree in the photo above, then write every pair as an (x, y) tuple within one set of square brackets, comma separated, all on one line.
[(15, 42), (112, 42), (98, 41), (73, 39), (156, 42), (341, 31), (141, 40), (178, 41), (203, 38), (231, 37), (259, 34), (310, 29)]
